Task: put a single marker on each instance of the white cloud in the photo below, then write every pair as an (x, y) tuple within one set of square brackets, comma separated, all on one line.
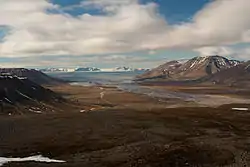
[(210, 51), (35, 32), (102, 61), (126, 26), (242, 54), (108, 5), (228, 51), (220, 22)]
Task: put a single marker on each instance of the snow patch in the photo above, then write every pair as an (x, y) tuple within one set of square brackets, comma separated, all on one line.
[(81, 111), (22, 78), (193, 64), (23, 95), (35, 111), (8, 100), (246, 68), (38, 158), (240, 109), (203, 59)]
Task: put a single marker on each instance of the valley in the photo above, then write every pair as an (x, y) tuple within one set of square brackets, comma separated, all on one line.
[(156, 122), (124, 83), (127, 129)]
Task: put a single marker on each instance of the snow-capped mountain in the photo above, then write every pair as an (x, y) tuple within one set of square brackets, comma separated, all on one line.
[(141, 69), (58, 70), (194, 68), (88, 69), (202, 66), (94, 69), (123, 69)]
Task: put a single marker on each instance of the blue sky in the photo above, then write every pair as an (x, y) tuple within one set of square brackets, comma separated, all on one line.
[(108, 33), (175, 10)]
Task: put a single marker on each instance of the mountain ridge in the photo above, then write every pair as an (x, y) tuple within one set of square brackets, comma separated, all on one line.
[(20, 95), (193, 69), (236, 76), (33, 75)]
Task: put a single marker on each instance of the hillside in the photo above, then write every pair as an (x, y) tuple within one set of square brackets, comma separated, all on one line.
[(193, 69), (235, 76), (161, 71), (20, 95), (33, 75)]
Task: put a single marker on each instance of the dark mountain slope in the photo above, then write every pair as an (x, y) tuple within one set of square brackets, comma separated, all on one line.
[(235, 76), (33, 75), (21, 95), (161, 71)]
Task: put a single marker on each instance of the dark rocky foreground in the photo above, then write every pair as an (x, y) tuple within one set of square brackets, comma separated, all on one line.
[(22, 92), (19, 95), (122, 138)]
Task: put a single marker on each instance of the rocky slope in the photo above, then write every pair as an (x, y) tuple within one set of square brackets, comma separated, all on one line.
[(20, 95), (235, 76), (33, 75), (193, 69), (160, 72)]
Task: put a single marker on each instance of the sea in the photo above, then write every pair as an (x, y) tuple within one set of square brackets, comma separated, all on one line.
[(97, 78), (122, 80)]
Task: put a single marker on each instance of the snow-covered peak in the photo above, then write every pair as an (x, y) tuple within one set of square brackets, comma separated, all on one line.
[(194, 68), (218, 61)]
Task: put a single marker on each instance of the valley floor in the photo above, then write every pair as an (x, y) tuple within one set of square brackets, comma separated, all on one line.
[(107, 127), (238, 92)]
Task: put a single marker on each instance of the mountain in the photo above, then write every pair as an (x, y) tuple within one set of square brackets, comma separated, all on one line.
[(123, 69), (88, 69), (161, 71), (93, 69), (193, 69), (141, 69), (57, 70), (33, 75), (21, 95), (236, 76)]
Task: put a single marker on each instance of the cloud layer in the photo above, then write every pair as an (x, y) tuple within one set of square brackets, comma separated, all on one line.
[(124, 26)]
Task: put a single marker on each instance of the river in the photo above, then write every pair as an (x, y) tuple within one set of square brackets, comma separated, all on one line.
[(124, 81)]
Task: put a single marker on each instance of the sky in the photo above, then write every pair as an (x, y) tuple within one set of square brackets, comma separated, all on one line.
[(111, 33)]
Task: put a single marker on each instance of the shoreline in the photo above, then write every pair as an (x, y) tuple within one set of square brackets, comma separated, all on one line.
[(115, 98)]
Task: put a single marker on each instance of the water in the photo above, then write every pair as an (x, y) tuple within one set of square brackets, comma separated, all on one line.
[(97, 78), (121, 80), (124, 81)]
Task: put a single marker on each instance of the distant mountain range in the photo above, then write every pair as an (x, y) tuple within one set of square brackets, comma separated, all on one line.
[(57, 70), (210, 69), (87, 69), (93, 69)]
